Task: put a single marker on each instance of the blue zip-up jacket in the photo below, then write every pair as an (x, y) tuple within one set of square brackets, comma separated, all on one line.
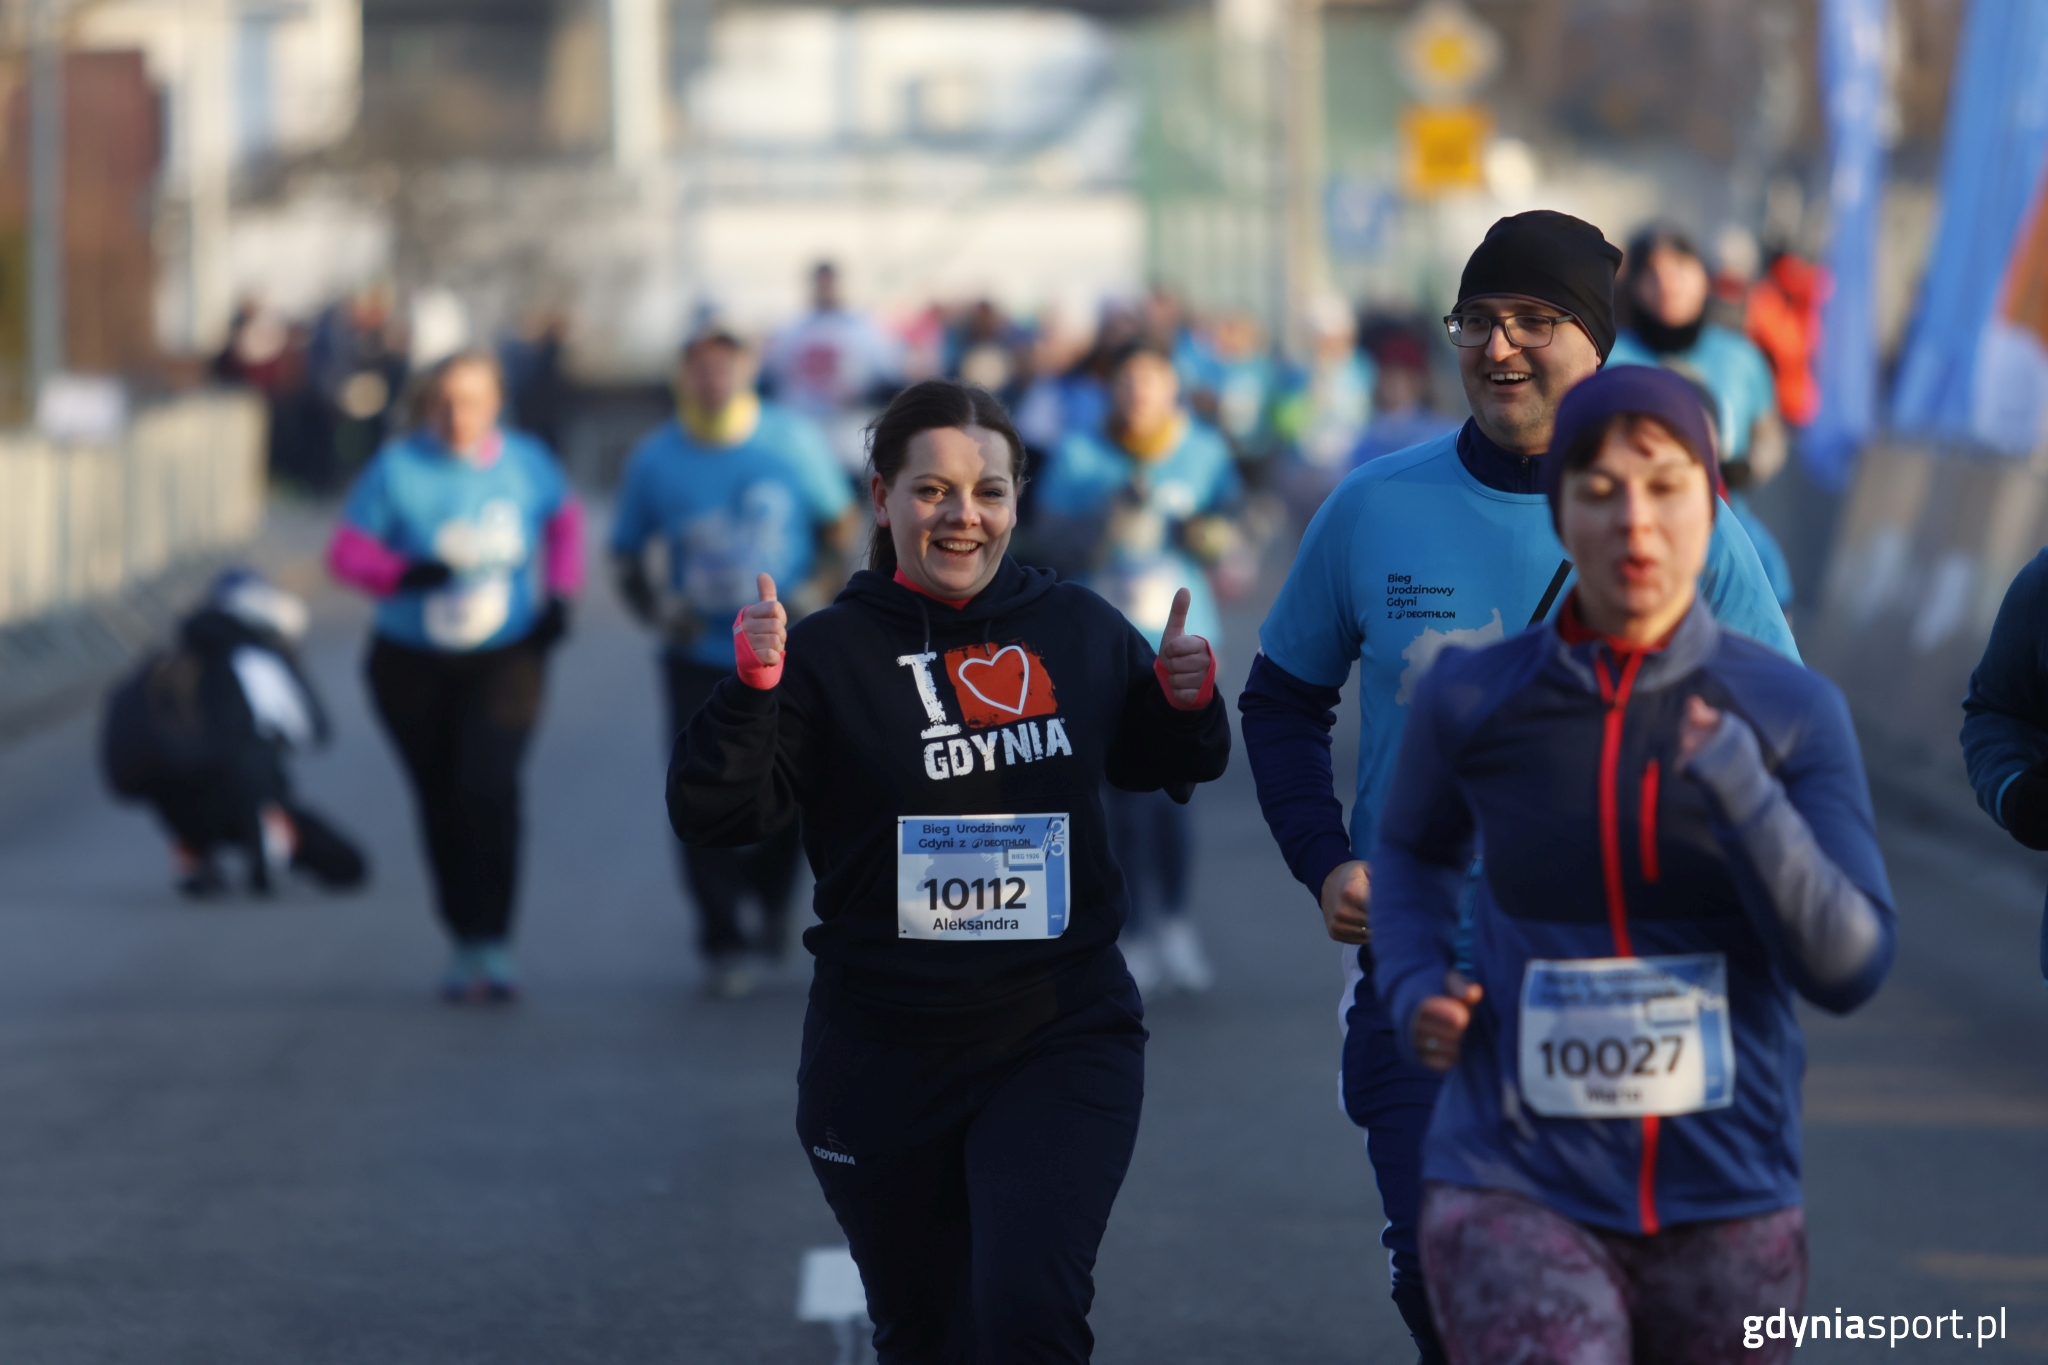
[(2005, 717), (1563, 760)]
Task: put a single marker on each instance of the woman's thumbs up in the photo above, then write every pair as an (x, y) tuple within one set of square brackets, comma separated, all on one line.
[(762, 631), (1187, 667)]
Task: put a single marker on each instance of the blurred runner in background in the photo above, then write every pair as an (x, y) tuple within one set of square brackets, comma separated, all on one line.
[(1665, 292), (537, 390), (356, 362), (1323, 413), (1230, 377), (1449, 543), (202, 734), (1050, 400), (982, 348), (1402, 415), (1142, 511), (835, 367), (1783, 319), (728, 489), (473, 543)]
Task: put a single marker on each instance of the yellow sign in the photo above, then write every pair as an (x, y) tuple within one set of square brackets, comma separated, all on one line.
[(1446, 52), (1444, 149)]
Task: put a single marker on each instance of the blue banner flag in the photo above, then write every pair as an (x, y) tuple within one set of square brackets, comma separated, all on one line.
[(1852, 75), (1965, 373)]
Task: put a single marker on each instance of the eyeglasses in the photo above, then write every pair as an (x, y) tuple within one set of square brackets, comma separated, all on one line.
[(1525, 331)]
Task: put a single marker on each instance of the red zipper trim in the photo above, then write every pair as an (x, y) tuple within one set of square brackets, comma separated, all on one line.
[(1646, 1179), (1615, 695), (1647, 839)]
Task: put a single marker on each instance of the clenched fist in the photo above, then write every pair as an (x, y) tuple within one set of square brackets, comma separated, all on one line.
[(1441, 1021)]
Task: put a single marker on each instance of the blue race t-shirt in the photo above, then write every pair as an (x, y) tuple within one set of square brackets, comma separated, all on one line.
[(487, 523), (1731, 368), (1736, 373), (1410, 554), (1143, 569), (729, 513)]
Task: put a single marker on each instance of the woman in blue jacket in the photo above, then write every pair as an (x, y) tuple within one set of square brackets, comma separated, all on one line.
[(1678, 840)]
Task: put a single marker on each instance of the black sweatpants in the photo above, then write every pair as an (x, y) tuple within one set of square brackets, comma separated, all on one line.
[(719, 878), (974, 1185), (461, 723)]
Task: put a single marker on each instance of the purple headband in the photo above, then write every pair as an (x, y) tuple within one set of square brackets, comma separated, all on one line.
[(1637, 391)]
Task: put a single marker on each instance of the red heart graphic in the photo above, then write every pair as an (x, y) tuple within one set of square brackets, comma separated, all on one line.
[(1006, 672)]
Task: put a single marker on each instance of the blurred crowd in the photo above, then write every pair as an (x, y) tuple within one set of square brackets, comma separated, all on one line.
[(1167, 449), (1740, 323), (1294, 420), (336, 383)]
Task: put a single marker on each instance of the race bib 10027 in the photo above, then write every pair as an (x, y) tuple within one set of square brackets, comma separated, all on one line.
[(966, 878), (1624, 1037)]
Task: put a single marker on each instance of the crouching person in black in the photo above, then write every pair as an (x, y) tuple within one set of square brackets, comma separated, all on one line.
[(973, 1059), (202, 734)]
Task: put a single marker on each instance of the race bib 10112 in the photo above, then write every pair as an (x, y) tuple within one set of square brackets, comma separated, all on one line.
[(1625, 1037), (967, 878)]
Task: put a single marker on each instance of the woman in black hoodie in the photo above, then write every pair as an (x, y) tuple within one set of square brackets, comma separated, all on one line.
[(973, 1059)]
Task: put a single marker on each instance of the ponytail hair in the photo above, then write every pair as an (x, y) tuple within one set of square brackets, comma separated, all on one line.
[(931, 405)]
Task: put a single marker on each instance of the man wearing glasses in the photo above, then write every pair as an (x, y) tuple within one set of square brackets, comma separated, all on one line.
[(1446, 543)]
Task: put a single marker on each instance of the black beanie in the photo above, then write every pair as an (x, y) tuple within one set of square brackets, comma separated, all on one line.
[(1550, 256)]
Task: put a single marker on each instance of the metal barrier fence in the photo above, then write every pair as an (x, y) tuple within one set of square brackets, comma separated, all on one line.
[(83, 522)]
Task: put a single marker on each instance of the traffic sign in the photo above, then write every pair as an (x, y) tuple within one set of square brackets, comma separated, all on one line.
[(1447, 52), (1444, 149)]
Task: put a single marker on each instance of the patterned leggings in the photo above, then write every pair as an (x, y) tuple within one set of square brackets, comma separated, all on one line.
[(1512, 1283)]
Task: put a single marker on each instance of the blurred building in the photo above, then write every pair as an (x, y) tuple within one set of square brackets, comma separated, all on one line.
[(621, 163), (244, 85), (110, 169), (958, 152), (626, 162)]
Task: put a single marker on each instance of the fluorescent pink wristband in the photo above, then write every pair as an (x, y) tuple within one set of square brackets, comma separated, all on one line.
[(563, 537), (1202, 698), (752, 671), (355, 556)]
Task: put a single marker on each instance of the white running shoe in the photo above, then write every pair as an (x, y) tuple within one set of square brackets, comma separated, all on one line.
[(1181, 955), (1148, 968)]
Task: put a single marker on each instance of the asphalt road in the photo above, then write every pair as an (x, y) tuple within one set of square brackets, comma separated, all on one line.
[(246, 1133)]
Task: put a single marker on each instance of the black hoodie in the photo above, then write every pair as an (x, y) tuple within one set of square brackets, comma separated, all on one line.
[(872, 720)]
